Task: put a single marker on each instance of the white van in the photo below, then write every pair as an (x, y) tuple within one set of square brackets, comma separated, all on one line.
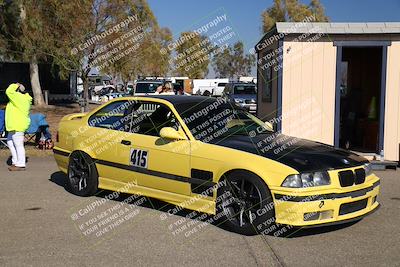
[(209, 87)]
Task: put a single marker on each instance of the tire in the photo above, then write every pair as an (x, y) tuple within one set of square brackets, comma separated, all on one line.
[(206, 93), (82, 176), (245, 204)]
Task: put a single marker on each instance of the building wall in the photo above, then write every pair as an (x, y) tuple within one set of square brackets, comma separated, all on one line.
[(392, 106), (308, 90)]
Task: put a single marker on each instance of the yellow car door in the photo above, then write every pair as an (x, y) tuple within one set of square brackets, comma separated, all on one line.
[(98, 138), (143, 156)]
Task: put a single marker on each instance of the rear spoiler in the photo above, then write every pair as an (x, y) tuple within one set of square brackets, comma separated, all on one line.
[(73, 116)]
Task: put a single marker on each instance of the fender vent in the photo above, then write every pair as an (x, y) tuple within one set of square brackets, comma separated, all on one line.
[(200, 187)]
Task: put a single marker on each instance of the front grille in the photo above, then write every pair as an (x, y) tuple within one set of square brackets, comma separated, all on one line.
[(349, 178), (353, 206), (346, 178), (360, 176)]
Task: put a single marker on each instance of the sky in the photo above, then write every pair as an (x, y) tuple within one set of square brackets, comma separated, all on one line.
[(245, 16)]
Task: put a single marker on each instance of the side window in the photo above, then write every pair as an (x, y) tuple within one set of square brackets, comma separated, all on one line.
[(149, 118), (113, 116)]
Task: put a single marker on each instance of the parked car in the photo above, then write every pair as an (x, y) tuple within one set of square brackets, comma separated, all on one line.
[(219, 89), (110, 96), (147, 87), (152, 146), (100, 83), (243, 94)]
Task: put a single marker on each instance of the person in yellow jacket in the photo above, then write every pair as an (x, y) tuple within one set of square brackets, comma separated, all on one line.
[(17, 122)]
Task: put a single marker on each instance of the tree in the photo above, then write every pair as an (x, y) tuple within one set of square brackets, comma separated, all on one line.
[(154, 58), (318, 11), (117, 36), (23, 36), (233, 62), (10, 47), (148, 60), (32, 38), (192, 57), (96, 35), (273, 14), (292, 11)]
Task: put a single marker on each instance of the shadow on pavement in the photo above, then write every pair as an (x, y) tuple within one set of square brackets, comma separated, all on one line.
[(60, 179), (299, 232)]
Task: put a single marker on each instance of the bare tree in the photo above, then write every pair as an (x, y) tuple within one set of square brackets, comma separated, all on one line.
[(291, 10)]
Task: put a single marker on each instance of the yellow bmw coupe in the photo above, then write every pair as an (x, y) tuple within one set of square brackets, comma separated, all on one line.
[(209, 155)]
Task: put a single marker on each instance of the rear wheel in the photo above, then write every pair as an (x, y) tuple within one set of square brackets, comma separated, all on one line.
[(246, 203), (82, 174)]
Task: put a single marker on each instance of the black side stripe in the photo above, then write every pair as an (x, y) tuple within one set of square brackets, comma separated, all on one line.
[(169, 176), (156, 173), (352, 194), (62, 153)]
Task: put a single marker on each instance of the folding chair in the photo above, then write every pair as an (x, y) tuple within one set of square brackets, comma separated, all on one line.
[(3, 135), (30, 137), (38, 122), (3, 139)]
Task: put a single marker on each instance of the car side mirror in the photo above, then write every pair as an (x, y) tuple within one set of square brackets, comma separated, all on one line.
[(269, 125), (172, 134)]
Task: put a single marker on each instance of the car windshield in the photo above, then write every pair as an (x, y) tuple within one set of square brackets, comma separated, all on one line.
[(244, 90), (147, 87), (214, 119)]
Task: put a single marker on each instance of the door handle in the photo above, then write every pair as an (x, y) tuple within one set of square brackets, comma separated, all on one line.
[(126, 142)]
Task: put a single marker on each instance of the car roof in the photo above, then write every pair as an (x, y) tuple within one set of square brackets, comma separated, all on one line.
[(149, 81), (175, 100), (180, 99), (240, 83)]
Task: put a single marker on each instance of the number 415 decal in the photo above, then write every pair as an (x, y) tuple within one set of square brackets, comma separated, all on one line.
[(138, 158)]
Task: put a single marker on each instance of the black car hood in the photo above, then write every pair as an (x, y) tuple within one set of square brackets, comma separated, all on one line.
[(300, 154)]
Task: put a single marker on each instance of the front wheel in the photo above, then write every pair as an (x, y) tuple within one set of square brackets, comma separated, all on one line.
[(246, 203), (82, 174)]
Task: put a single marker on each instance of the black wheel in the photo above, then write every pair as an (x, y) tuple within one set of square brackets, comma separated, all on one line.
[(206, 93), (82, 174), (246, 203)]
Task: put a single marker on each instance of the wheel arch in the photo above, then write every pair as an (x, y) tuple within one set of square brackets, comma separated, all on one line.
[(85, 154), (78, 150), (229, 172)]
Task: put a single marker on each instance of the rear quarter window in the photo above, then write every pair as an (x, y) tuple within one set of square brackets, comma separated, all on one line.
[(112, 116)]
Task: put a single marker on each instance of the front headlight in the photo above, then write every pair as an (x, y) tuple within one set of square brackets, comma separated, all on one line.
[(368, 169), (239, 100), (307, 180)]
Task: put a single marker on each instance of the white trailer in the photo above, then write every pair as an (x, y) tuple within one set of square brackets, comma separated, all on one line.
[(248, 79), (209, 86)]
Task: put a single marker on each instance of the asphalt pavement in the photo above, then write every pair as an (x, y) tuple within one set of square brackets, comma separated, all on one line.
[(42, 224)]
